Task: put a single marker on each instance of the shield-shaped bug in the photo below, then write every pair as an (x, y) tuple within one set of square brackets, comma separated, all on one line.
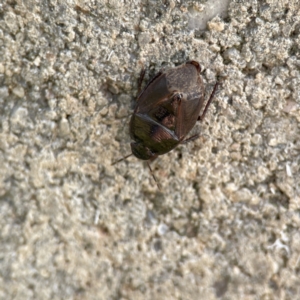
[(166, 111)]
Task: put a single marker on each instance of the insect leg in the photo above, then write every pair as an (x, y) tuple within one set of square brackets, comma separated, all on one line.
[(191, 138), (123, 158), (158, 185), (140, 80), (201, 118)]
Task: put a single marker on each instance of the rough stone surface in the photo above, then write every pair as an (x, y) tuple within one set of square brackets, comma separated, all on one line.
[(226, 223)]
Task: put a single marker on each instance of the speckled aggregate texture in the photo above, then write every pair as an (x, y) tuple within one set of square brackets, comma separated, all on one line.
[(226, 223)]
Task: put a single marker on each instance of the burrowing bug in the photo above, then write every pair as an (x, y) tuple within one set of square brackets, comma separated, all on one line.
[(166, 110)]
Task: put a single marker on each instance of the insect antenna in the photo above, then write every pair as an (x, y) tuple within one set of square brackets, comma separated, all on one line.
[(123, 158), (157, 183)]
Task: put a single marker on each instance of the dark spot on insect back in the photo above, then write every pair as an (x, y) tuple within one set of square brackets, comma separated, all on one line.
[(161, 113), (169, 122), (165, 118), (165, 115)]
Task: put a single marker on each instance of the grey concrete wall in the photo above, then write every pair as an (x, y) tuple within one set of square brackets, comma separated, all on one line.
[(225, 224)]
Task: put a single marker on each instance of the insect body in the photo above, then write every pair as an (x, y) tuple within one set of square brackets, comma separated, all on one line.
[(166, 110)]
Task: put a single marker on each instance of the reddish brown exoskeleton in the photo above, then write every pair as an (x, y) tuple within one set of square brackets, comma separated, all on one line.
[(166, 111)]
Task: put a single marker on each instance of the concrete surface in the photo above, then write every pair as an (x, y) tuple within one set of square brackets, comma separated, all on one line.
[(226, 223)]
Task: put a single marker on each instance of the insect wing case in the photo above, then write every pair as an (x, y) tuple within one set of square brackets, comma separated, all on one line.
[(168, 108), (186, 81)]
